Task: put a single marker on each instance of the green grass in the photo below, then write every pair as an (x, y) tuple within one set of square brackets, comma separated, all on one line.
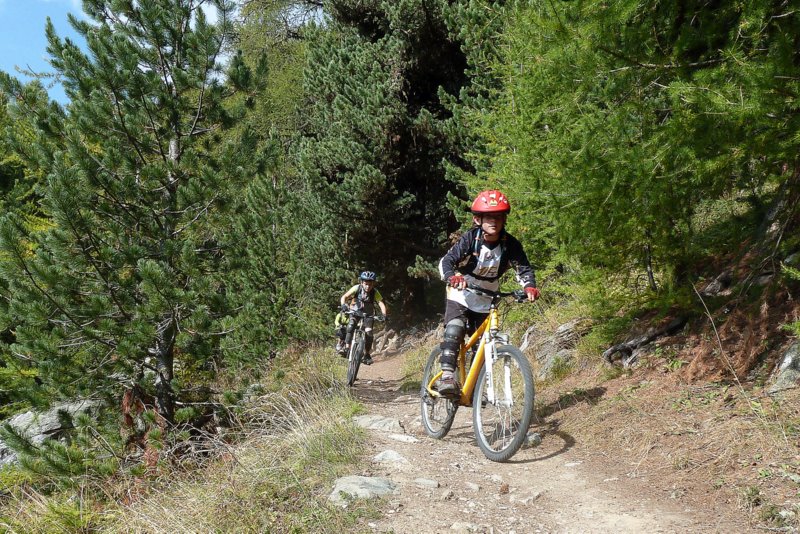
[(414, 366)]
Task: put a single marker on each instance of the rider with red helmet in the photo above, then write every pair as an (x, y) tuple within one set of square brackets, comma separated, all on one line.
[(480, 257)]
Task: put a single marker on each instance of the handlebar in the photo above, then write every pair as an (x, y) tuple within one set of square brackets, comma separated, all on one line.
[(362, 315), (518, 294)]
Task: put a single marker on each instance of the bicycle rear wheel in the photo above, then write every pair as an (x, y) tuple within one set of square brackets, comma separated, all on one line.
[(438, 413), (501, 426), (356, 351)]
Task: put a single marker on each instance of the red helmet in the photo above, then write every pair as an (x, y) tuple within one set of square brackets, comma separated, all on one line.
[(491, 201)]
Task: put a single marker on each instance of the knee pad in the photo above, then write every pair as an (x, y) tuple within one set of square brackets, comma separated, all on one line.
[(368, 343), (453, 335)]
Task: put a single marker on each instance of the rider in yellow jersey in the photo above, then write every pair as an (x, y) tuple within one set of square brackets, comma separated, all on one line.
[(362, 297)]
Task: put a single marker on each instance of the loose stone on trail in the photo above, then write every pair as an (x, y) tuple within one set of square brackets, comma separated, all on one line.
[(358, 487), (377, 422), (390, 456)]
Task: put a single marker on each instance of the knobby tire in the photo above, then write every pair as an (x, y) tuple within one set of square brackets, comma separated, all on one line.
[(438, 413), (356, 352), (501, 430)]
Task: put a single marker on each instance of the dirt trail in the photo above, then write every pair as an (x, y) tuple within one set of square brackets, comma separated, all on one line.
[(558, 486)]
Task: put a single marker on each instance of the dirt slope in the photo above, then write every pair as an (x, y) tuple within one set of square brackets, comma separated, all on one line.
[(563, 485)]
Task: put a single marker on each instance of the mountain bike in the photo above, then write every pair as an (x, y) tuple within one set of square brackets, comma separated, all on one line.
[(497, 384), (356, 352)]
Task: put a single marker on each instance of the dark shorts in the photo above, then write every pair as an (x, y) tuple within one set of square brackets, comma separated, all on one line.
[(454, 310)]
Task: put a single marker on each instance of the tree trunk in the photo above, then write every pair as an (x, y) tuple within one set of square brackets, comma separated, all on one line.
[(651, 279), (164, 354), (164, 350)]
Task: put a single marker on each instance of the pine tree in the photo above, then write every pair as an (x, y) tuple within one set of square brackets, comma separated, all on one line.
[(21, 184), (622, 120), (123, 289), (376, 142)]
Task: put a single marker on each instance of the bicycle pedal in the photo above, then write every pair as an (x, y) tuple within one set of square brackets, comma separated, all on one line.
[(450, 394)]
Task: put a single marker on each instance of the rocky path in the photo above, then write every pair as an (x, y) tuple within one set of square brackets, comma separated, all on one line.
[(449, 486)]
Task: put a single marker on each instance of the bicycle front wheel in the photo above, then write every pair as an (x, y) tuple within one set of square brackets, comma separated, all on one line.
[(438, 413), (501, 424), (356, 351)]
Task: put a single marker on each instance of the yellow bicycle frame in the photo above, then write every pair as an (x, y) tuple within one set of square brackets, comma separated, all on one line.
[(470, 379)]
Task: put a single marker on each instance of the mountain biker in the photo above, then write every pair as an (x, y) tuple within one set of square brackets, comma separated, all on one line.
[(362, 297), (480, 257), (340, 328)]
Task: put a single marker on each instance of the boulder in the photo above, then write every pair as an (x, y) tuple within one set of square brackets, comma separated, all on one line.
[(787, 374), (41, 426), (718, 286), (556, 348), (549, 360)]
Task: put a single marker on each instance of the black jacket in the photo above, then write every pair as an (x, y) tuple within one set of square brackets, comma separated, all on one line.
[(462, 257)]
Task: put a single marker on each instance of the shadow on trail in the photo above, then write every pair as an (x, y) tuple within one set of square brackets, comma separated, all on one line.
[(571, 398), (550, 431)]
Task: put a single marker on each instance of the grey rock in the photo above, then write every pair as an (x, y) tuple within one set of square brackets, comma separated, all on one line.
[(533, 439), (717, 285), (41, 426), (524, 499), (359, 487), (548, 362), (390, 456), (426, 483), (787, 515), (787, 375), (764, 279), (557, 348), (529, 338), (382, 339), (392, 345), (569, 334), (253, 391), (377, 422), (404, 438)]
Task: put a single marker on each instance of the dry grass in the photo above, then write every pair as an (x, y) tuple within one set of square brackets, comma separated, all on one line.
[(275, 478), (715, 445)]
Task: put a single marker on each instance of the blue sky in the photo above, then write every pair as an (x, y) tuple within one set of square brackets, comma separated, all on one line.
[(22, 40)]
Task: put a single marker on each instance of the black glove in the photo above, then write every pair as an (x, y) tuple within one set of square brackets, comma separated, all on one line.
[(345, 308)]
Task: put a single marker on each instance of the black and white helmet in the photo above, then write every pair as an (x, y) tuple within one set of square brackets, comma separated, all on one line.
[(367, 276)]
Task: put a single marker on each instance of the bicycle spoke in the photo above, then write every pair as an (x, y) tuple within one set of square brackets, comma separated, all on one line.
[(500, 425)]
